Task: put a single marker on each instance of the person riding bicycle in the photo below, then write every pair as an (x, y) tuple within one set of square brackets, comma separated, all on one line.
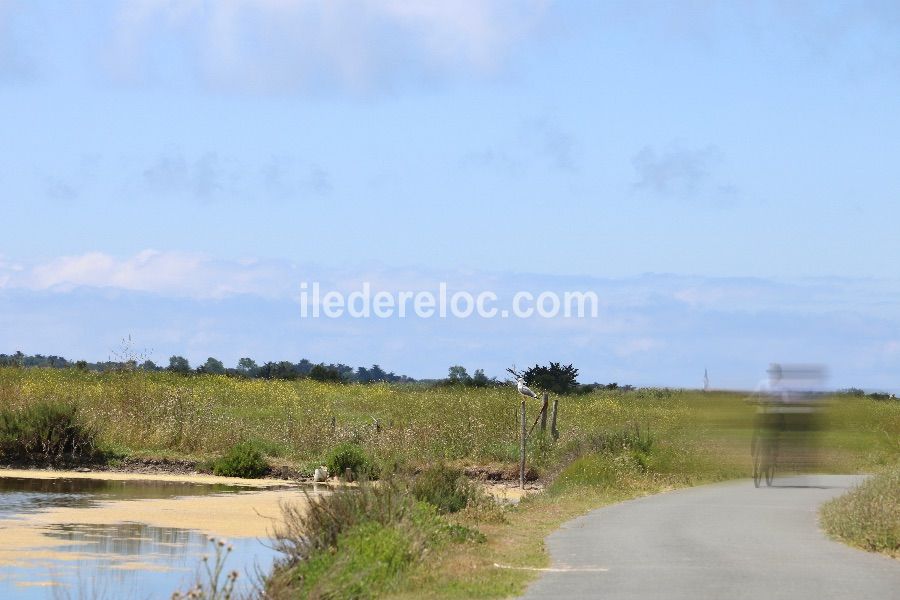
[(771, 395)]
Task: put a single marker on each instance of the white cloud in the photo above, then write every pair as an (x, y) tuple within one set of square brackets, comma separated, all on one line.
[(174, 274), (275, 45)]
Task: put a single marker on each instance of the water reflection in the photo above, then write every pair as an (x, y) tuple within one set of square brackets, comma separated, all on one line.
[(126, 539), (20, 495), (126, 560), (121, 560)]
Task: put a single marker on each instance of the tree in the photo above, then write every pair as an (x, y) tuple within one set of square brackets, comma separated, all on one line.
[(479, 379), (376, 373), (303, 367), (247, 367), (457, 374), (553, 378), (280, 370), (322, 373), (179, 364), (149, 365), (213, 366)]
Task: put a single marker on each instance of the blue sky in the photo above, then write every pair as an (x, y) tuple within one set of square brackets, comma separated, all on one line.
[(169, 168)]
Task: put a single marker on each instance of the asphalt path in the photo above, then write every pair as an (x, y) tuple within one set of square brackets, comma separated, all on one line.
[(716, 541)]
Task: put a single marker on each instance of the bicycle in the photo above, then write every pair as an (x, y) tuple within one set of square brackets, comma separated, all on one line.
[(764, 448)]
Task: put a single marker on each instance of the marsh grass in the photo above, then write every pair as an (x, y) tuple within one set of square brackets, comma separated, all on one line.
[(45, 432), (201, 417)]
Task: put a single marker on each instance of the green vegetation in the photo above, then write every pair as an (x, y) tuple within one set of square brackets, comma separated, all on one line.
[(351, 456), (241, 460), (45, 432), (869, 516), (357, 542), (614, 444)]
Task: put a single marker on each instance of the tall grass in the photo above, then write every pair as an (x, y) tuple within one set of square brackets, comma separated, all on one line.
[(164, 414)]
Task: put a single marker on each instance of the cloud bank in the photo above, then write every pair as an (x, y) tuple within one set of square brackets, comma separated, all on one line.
[(651, 329)]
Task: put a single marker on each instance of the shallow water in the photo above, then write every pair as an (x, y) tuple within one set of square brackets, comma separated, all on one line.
[(47, 559), (22, 495)]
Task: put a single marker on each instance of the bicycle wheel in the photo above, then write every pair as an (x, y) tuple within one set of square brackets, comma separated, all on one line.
[(754, 457), (757, 468)]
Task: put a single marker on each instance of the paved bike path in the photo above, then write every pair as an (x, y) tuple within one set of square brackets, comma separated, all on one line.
[(716, 541)]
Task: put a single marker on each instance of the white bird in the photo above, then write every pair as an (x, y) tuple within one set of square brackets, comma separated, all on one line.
[(321, 474), (523, 389)]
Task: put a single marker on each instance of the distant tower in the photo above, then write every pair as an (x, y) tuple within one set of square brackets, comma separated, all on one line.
[(705, 380)]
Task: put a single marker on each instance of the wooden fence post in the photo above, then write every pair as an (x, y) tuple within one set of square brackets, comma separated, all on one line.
[(544, 412), (553, 431), (522, 450)]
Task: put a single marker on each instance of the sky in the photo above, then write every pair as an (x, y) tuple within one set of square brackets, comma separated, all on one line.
[(724, 175)]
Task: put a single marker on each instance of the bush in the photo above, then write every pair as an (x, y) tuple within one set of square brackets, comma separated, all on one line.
[(45, 432), (349, 456), (444, 487), (241, 460)]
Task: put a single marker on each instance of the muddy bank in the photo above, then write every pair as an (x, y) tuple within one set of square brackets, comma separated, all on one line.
[(194, 477), (149, 466)]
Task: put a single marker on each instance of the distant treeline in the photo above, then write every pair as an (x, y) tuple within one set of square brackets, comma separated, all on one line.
[(246, 367)]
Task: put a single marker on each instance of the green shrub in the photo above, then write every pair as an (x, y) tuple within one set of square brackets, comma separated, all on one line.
[(45, 432), (349, 456), (444, 487), (241, 460)]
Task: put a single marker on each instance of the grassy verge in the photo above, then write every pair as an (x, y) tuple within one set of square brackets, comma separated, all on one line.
[(868, 517)]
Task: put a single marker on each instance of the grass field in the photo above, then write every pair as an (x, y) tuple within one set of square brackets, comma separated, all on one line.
[(166, 415), (613, 444)]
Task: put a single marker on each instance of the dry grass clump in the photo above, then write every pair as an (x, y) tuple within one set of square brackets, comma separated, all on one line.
[(869, 515)]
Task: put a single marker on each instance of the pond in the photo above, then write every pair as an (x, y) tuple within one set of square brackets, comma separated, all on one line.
[(68, 537)]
